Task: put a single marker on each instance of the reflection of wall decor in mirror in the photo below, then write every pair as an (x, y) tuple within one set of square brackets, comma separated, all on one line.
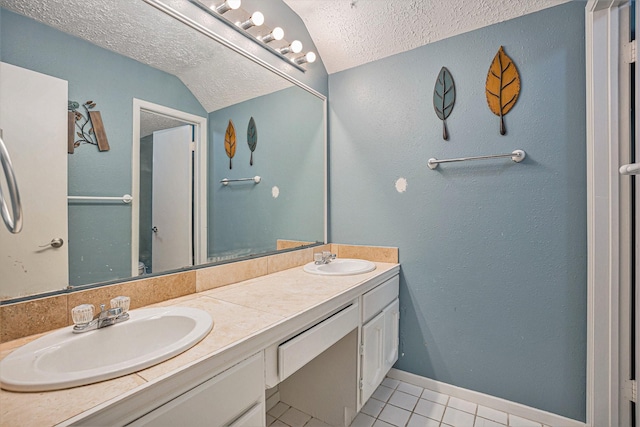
[(252, 138), (503, 86), (198, 83), (90, 129), (230, 142), (444, 98)]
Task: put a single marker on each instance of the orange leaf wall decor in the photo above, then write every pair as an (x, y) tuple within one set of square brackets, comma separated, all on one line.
[(230, 142), (503, 86)]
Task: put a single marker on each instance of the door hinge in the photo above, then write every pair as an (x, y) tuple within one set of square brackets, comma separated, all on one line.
[(630, 52), (630, 390), (361, 349), (192, 145), (360, 384)]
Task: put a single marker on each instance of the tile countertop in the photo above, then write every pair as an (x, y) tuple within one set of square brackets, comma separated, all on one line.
[(241, 311)]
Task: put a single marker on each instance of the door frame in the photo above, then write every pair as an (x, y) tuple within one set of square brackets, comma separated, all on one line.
[(605, 218), (199, 171)]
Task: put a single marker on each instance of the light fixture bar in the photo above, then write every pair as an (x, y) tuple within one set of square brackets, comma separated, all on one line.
[(248, 35)]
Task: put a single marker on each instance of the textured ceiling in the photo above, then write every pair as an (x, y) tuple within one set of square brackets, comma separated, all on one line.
[(348, 33), (217, 76)]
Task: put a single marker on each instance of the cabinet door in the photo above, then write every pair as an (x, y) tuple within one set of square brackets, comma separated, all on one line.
[(391, 334), (372, 356), (233, 398)]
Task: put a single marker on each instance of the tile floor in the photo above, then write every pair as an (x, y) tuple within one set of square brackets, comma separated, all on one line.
[(399, 404)]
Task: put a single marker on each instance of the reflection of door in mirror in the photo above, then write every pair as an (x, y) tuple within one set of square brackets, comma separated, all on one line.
[(28, 262), (169, 189), (166, 167)]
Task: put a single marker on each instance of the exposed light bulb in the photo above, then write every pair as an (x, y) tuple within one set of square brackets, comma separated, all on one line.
[(255, 20), (294, 47), (310, 57), (227, 6), (276, 34)]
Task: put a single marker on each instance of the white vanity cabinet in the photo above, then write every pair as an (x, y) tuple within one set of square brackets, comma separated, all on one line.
[(326, 360), (379, 337), (233, 398)]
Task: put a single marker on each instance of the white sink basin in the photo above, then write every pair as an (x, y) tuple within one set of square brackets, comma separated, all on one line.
[(63, 359), (340, 267)]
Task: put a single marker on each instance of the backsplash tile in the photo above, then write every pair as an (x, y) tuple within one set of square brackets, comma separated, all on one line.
[(371, 253), (288, 260), (225, 274), (32, 317)]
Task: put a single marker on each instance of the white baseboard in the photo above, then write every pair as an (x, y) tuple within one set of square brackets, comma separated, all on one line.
[(547, 418)]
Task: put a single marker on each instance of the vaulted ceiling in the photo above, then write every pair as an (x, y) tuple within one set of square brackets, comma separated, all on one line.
[(348, 33)]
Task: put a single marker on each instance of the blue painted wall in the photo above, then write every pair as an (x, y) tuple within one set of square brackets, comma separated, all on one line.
[(493, 253), (289, 155), (99, 234)]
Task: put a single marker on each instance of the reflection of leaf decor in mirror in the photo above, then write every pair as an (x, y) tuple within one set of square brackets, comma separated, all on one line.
[(444, 97), (230, 142), (503, 86), (90, 129), (252, 138)]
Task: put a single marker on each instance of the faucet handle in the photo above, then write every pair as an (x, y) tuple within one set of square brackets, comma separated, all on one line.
[(121, 302), (82, 314)]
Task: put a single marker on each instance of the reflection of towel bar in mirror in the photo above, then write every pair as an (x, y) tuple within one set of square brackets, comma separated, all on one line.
[(124, 199), (517, 156), (226, 181)]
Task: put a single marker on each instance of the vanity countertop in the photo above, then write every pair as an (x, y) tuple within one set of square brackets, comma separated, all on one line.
[(243, 313)]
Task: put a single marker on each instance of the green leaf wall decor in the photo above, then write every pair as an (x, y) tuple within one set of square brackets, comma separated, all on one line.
[(444, 98), (252, 138)]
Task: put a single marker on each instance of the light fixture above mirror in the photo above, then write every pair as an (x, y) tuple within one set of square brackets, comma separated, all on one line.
[(255, 20)]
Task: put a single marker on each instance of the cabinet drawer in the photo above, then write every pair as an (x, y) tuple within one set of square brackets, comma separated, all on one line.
[(378, 298), (298, 351)]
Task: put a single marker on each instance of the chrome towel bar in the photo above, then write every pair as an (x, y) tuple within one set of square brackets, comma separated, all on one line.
[(517, 156), (127, 198), (226, 181)]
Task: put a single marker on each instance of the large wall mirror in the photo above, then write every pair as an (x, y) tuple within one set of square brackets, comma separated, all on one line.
[(166, 95)]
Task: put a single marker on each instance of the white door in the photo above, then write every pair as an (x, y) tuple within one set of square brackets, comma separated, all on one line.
[(171, 243), (33, 119), (372, 356)]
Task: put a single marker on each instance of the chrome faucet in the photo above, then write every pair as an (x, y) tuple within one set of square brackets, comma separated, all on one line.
[(106, 317), (323, 258)]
